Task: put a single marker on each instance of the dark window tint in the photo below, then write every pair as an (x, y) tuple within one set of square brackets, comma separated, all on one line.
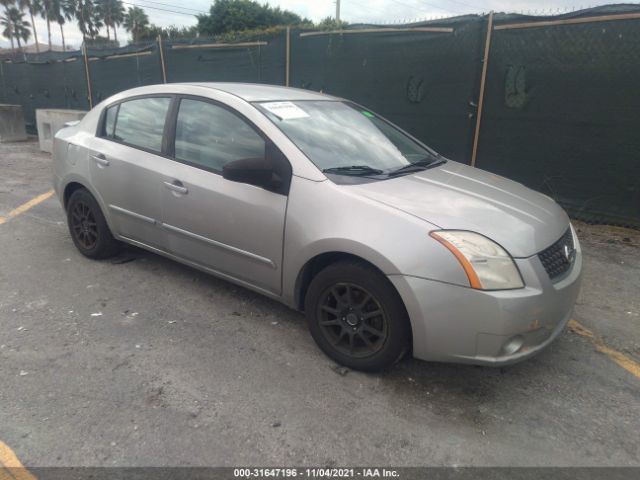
[(210, 136), (110, 121), (141, 122)]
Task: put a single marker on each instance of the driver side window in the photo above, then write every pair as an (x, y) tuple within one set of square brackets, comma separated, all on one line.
[(210, 136)]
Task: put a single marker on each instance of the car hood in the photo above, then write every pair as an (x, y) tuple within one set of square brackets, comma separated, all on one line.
[(456, 196)]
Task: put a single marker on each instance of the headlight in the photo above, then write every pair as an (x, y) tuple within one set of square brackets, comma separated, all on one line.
[(487, 265)]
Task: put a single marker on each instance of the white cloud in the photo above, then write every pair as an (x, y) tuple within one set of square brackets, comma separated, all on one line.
[(375, 11)]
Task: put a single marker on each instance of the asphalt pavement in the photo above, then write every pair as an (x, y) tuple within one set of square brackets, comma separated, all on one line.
[(140, 361)]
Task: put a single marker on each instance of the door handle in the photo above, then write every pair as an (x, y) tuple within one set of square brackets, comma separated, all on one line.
[(177, 186), (100, 159)]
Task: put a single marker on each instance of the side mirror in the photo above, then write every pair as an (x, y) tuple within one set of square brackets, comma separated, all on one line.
[(254, 171)]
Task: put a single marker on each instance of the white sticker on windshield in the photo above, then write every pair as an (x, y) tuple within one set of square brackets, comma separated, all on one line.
[(285, 110)]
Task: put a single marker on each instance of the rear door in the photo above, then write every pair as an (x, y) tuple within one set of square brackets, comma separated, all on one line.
[(124, 164), (233, 228)]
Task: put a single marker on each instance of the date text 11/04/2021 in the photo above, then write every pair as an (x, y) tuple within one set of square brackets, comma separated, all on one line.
[(315, 473)]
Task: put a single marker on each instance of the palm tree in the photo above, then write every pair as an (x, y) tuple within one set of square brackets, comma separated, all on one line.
[(48, 12), (111, 13), (32, 6), (7, 28), (15, 25), (136, 21), (20, 27), (96, 21), (6, 21), (65, 12), (84, 11)]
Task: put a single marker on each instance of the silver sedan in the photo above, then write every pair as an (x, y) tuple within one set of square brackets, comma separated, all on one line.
[(322, 204)]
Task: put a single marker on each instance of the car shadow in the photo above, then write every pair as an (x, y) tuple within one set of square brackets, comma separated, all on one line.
[(253, 300), (450, 388)]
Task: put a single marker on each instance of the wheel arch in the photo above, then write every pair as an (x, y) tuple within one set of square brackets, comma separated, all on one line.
[(75, 183), (69, 188), (320, 261)]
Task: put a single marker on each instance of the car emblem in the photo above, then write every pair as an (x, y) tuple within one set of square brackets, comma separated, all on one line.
[(569, 253)]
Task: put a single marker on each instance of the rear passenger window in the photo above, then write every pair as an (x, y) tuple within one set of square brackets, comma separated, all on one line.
[(141, 122), (210, 136), (110, 121)]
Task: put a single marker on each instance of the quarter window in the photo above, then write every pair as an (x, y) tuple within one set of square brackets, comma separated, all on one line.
[(141, 122), (210, 136)]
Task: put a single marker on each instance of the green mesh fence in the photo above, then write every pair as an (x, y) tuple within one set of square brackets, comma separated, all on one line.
[(37, 85), (562, 103), (255, 60), (562, 112), (111, 73), (424, 81)]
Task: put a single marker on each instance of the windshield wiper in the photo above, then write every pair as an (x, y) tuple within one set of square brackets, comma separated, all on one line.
[(353, 170), (417, 166)]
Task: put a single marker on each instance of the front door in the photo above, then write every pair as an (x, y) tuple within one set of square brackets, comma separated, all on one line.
[(233, 228)]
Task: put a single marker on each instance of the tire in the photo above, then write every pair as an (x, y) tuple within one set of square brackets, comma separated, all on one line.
[(88, 227), (356, 317)]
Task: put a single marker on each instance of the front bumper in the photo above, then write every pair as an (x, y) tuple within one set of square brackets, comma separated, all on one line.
[(452, 323)]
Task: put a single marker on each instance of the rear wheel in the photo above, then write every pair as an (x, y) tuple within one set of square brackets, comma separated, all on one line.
[(356, 316), (88, 227)]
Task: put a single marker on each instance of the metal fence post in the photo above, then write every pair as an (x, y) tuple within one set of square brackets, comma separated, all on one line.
[(483, 81), (287, 71), (86, 71), (162, 64), (3, 98)]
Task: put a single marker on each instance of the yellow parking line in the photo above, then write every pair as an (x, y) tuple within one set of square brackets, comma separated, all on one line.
[(10, 467), (26, 206), (620, 358)]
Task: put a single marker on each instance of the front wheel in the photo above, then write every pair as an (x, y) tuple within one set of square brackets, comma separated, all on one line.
[(356, 316)]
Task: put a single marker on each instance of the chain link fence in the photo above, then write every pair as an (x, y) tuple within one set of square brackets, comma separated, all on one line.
[(561, 104), (562, 112)]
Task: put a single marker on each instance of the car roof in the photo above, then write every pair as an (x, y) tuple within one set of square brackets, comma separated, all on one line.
[(255, 92)]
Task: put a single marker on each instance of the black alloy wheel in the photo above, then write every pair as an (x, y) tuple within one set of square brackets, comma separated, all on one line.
[(353, 320), (357, 317), (83, 223)]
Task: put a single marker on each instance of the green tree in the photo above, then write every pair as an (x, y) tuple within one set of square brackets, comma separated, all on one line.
[(111, 13), (66, 11), (86, 15), (171, 32), (330, 23), (101, 42), (49, 11), (6, 21), (15, 26), (175, 32), (32, 6), (236, 15), (136, 22)]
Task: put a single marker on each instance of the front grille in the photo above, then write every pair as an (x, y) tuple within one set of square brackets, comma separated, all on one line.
[(556, 259)]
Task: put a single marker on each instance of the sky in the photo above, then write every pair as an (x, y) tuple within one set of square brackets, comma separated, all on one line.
[(165, 12)]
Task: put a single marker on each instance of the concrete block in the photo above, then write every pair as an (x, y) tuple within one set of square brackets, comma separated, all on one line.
[(50, 120), (12, 128)]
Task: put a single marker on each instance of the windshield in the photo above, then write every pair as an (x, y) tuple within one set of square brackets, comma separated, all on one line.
[(343, 138)]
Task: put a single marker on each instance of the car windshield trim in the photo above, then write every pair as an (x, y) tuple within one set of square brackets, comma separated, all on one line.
[(418, 166), (353, 170)]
